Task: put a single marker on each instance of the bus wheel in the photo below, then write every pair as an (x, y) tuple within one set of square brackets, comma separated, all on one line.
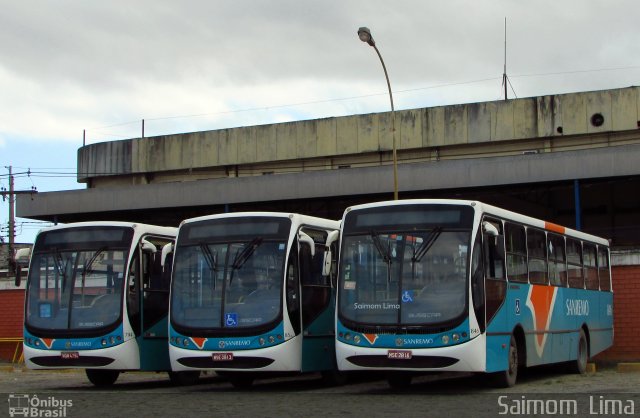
[(399, 380), (579, 365), (184, 378), (507, 378), (101, 377)]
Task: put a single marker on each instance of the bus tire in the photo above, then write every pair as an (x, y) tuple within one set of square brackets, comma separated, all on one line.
[(507, 378), (184, 378), (579, 365), (102, 377)]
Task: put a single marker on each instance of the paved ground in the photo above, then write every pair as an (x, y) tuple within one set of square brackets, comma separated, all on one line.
[(148, 394)]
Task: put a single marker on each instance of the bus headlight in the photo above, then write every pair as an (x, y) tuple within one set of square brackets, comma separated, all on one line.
[(445, 339), (356, 339), (104, 342), (456, 338), (347, 336), (271, 339), (179, 341), (112, 340), (261, 341)]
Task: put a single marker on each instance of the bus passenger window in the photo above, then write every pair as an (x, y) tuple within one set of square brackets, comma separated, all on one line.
[(557, 260), (536, 241), (590, 267), (516, 249), (603, 269), (574, 264)]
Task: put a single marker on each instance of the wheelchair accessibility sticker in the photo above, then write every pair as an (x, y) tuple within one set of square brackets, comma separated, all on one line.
[(231, 319), (407, 297)]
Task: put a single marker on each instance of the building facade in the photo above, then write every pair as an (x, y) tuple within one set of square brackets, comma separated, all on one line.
[(571, 159)]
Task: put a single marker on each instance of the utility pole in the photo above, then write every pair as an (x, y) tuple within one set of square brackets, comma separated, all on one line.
[(11, 196)]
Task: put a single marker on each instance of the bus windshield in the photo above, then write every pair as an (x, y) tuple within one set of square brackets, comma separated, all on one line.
[(228, 273), (405, 274), (76, 278)]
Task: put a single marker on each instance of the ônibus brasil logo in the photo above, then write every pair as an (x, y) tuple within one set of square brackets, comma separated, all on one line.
[(23, 405)]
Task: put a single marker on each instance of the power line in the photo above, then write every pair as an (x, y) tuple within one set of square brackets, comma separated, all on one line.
[(97, 130), (633, 67)]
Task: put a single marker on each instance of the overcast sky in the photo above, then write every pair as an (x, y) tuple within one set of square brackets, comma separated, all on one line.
[(69, 66)]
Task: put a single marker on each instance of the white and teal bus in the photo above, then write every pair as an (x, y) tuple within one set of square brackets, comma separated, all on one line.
[(97, 298), (449, 285), (252, 295)]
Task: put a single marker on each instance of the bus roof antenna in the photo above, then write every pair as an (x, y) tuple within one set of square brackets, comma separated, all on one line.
[(505, 78)]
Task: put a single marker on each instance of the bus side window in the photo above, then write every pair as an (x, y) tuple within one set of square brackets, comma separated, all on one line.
[(536, 246), (590, 267), (603, 269), (516, 249), (557, 260), (574, 264)]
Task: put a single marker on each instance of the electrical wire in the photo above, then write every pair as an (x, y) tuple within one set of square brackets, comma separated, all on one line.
[(320, 101)]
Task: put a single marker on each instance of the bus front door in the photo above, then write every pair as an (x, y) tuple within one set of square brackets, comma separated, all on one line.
[(318, 303), (148, 303)]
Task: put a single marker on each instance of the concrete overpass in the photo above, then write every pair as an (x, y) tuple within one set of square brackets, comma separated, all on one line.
[(571, 159)]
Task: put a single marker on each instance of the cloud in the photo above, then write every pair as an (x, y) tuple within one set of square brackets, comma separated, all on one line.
[(69, 65)]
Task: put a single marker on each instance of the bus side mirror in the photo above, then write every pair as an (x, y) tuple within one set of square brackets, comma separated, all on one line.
[(22, 257), (166, 250), (328, 256), (18, 276), (326, 263), (306, 239), (148, 247), (490, 229)]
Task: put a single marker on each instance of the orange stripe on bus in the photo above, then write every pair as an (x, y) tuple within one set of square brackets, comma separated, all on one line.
[(554, 228)]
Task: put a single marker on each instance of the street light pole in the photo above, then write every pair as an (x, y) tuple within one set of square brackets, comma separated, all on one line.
[(365, 36)]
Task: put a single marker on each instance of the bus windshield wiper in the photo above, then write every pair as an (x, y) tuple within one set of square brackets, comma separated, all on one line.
[(384, 253), (88, 269), (57, 258), (426, 245), (89, 264), (243, 255), (424, 248), (209, 257)]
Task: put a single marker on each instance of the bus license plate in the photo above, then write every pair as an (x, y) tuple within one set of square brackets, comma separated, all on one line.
[(222, 356), (399, 354), (69, 355)]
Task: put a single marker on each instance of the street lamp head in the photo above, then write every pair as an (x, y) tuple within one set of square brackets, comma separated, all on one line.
[(365, 36)]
